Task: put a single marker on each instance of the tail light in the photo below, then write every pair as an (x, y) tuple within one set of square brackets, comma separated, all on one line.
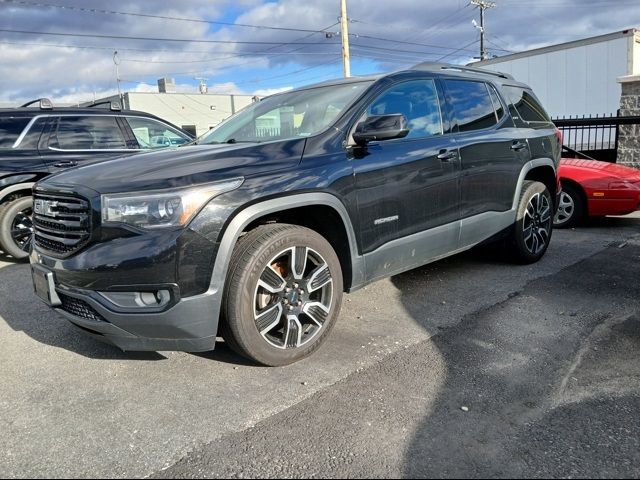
[(559, 135)]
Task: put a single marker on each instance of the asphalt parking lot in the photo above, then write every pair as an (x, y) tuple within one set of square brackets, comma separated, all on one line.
[(467, 367)]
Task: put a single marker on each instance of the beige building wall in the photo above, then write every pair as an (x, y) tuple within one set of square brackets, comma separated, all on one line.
[(188, 110)]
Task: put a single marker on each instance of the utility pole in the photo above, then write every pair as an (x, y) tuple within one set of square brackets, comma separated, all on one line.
[(482, 5), (116, 61), (344, 30)]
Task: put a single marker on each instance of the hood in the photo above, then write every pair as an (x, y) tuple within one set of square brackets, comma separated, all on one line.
[(603, 168), (178, 167)]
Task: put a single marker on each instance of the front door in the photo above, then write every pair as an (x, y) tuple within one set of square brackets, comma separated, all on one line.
[(408, 186)]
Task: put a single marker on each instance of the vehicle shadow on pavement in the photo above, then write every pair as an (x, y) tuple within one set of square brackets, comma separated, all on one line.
[(8, 259), (224, 354), (23, 312), (511, 404)]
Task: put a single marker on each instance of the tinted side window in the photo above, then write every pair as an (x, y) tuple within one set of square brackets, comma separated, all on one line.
[(471, 104), (527, 105), (88, 133), (10, 130), (153, 134), (497, 104), (418, 101)]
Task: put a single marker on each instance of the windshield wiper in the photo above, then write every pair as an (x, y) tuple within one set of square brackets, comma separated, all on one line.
[(233, 140)]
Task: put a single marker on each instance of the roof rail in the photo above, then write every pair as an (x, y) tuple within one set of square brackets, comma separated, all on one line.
[(461, 68), (113, 105), (45, 103)]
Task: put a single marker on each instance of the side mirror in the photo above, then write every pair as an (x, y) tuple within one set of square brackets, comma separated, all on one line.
[(381, 127)]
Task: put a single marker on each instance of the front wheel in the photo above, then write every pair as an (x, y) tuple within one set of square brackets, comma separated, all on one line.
[(282, 295), (534, 223), (16, 227)]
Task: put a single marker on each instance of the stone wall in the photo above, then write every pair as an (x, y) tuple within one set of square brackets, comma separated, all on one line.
[(629, 135)]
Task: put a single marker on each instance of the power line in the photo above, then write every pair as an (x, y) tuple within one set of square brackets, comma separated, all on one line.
[(154, 39), (402, 42), (460, 49), (162, 17), (371, 47)]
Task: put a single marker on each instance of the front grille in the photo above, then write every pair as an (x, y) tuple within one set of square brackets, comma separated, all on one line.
[(79, 308), (61, 223)]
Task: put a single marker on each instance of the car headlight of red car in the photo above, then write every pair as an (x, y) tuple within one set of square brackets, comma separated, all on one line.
[(623, 185)]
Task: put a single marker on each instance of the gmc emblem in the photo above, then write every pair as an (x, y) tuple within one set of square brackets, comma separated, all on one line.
[(45, 207)]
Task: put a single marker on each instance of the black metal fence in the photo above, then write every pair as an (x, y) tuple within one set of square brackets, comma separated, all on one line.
[(594, 136)]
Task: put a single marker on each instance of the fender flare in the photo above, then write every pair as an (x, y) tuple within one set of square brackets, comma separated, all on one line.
[(527, 167), (5, 192), (255, 211)]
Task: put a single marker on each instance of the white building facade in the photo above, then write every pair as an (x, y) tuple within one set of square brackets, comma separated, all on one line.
[(576, 78), (194, 112)]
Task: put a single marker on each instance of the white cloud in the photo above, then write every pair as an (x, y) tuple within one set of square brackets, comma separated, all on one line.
[(30, 71)]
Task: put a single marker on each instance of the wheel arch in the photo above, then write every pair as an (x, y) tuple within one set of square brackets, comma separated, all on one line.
[(319, 211), (16, 190), (540, 170)]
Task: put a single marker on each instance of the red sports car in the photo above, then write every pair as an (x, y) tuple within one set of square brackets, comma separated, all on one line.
[(592, 188)]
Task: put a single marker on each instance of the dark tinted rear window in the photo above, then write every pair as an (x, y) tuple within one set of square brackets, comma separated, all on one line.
[(471, 103), (88, 133), (10, 130), (527, 105)]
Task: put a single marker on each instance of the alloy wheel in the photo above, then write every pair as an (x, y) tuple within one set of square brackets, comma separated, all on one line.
[(537, 223), (566, 209), (22, 229), (293, 298)]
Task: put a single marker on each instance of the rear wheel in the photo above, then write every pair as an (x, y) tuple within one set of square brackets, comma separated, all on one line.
[(283, 294), (16, 227), (534, 223), (571, 209)]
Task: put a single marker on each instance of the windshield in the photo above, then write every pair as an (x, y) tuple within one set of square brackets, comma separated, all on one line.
[(297, 114)]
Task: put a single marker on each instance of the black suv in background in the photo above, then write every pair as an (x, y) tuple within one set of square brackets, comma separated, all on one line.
[(260, 227), (36, 142)]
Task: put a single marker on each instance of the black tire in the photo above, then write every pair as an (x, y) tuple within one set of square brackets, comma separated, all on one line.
[(532, 231), (571, 210), (242, 310), (14, 217)]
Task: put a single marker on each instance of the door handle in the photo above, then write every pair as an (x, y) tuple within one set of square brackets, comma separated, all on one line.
[(447, 155), (66, 164), (517, 146)]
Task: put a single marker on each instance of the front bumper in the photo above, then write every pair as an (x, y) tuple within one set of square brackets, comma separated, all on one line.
[(189, 324)]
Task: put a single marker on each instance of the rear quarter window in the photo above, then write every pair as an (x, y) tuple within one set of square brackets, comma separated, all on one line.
[(10, 130), (527, 106)]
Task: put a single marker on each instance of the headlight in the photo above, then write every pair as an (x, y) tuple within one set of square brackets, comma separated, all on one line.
[(162, 208), (621, 185)]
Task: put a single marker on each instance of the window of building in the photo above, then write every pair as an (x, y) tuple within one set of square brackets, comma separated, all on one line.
[(190, 129)]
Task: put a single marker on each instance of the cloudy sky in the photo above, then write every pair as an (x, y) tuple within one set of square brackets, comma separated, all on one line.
[(64, 49)]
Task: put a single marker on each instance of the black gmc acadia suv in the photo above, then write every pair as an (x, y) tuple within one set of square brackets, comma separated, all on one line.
[(260, 227), (36, 142)]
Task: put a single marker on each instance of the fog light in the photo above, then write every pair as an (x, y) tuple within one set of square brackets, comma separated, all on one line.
[(156, 299)]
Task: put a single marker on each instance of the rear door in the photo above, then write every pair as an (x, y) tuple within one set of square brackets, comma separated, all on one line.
[(492, 150), (77, 139), (19, 146)]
